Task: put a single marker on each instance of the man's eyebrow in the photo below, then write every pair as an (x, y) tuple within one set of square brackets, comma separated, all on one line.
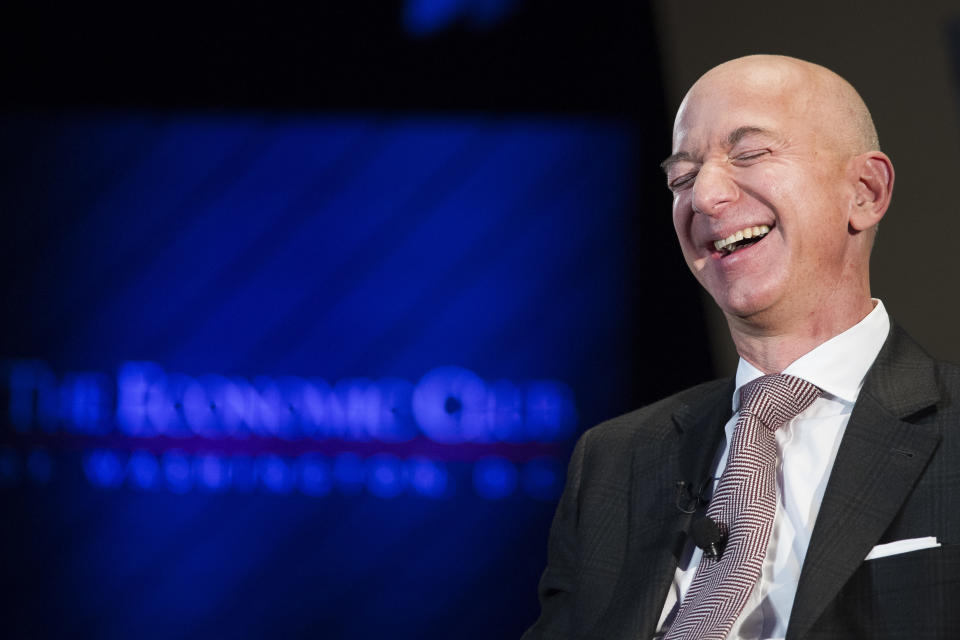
[(673, 159)]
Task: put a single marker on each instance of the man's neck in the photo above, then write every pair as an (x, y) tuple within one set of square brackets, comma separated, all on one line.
[(771, 350)]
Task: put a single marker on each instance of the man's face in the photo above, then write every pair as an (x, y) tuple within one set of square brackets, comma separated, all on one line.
[(751, 154)]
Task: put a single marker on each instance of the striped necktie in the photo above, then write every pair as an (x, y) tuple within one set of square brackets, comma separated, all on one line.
[(743, 506)]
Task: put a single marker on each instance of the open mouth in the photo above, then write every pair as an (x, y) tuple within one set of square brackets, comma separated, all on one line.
[(740, 239)]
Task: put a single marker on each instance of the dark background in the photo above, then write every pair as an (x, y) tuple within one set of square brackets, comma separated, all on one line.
[(362, 190)]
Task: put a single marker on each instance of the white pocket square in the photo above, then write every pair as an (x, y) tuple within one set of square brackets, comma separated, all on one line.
[(902, 546)]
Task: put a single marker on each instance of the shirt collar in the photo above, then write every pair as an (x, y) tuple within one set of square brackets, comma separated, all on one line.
[(839, 365)]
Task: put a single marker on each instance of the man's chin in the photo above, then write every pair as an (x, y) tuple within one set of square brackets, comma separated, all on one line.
[(746, 309)]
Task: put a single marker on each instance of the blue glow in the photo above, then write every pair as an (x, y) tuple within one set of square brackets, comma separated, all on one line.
[(427, 477), (176, 471), (149, 401), (494, 478), (450, 405), (276, 474), (383, 475), (505, 407), (311, 402), (9, 467), (199, 409), (103, 468), (80, 401), (143, 470), (230, 401), (427, 17), (39, 466), (394, 421), (271, 411), (550, 412), (349, 473), (133, 381), (543, 479), (297, 278), (385, 478), (314, 475), (243, 473), (211, 473), (84, 402), (354, 405), (161, 408), (165, 404)]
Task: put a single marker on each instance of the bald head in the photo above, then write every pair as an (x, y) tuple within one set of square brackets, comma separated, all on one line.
[(812, 91)]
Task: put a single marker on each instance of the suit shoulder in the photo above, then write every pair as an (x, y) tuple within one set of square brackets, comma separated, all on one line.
[(948, 383), (949, 374), (651, 418)]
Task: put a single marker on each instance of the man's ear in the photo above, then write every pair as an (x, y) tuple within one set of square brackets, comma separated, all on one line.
[(873, 173)]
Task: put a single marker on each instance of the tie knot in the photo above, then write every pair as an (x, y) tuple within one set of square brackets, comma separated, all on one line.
[(776, 399)]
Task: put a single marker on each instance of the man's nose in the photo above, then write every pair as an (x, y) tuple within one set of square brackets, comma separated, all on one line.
[(713, 190)]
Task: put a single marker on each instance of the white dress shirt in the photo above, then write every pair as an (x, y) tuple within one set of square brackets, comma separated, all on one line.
[(807, 448)]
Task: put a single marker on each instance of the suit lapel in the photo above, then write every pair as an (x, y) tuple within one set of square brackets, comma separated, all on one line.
[(879, 460), (685, 452), (701, 428)]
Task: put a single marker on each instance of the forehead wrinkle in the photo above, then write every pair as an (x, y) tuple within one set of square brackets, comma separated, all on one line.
[(740, 133)]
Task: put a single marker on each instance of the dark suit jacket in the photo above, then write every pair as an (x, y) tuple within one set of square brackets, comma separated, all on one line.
[(613, 542)]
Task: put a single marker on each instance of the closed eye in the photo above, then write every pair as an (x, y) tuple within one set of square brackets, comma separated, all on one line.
[(680, 182), (750, 156)]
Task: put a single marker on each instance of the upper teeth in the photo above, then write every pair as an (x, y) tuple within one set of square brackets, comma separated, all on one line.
[(749, 232)]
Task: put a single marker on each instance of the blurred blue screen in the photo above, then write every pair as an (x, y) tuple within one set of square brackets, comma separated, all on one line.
[(301, 376)]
